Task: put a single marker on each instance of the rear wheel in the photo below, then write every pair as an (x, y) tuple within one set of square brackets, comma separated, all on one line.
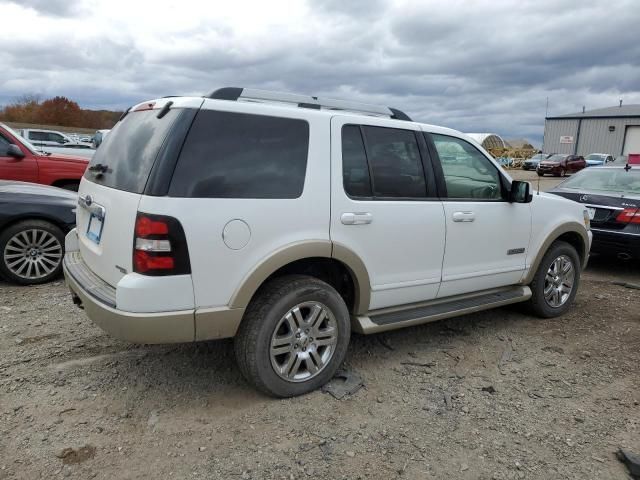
[(556, 281), (32, 252), (294, 336)]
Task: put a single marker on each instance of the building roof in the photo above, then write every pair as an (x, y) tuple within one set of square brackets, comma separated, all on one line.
[(519, 143), (487, 140), (609, 112)]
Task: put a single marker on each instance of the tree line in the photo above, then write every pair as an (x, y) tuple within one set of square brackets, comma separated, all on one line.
[(57, 111)]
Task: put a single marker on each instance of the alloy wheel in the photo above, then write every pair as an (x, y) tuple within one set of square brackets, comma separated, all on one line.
[(558, 282), (33, 254), (303, 342)]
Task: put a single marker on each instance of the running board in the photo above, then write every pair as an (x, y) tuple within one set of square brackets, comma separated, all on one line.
[(392, 318)]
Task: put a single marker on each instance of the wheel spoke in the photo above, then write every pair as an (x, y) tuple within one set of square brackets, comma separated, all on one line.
[(297, 317), (296, 366), (311, 366), (317, 316)]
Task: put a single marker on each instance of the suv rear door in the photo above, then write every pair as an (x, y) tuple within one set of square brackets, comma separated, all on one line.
[(384, 208), (111, 189), (487, 237)]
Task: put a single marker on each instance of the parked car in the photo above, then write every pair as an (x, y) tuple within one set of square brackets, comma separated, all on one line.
[(33, 222), (51, 138), (598, 159), (612, 197), (19, 160), (532, 163), (286, 221), (560, 165), (99, 137)]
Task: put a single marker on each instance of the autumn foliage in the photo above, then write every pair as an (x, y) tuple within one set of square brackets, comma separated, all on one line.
[(57, 111)]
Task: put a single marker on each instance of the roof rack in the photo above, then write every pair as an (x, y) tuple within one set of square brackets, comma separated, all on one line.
[(305, 101)]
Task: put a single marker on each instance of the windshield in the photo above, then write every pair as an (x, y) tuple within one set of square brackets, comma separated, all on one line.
[(606, 180), (22, 140), (556, 158), (539, 156), (595, 156)]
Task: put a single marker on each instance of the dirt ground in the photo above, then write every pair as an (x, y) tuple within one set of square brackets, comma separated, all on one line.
[(494, 395)]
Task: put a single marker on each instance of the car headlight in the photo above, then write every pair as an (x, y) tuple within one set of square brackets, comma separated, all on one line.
[(587, 220)]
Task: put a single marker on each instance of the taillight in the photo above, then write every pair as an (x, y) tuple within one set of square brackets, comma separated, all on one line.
[(159, 246), (629, 215)]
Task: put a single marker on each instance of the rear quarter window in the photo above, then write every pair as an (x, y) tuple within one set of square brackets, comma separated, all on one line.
[(238, 155)]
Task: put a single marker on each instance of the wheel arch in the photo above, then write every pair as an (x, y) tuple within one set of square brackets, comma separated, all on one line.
[(319, 258), (574, 234)]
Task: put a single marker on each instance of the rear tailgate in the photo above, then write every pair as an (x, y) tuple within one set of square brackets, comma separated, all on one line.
[(116, 179), (109, 254)]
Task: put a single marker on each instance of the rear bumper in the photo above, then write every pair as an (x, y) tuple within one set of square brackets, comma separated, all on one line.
[(157, 327), (615, 243), (99, 300)]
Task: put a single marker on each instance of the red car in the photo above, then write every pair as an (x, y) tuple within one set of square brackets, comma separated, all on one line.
[(559, 165), (19, 160)]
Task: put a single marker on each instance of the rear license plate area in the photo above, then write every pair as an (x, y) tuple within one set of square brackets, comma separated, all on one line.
[(94, 228)]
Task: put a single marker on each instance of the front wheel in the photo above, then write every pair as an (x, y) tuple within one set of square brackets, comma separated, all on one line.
[(293, 337), (540, 174), (556, 281)]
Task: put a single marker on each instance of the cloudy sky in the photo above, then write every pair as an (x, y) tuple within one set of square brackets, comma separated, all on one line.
[(472, 65)]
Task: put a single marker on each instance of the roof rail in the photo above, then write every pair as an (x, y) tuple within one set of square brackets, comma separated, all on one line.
[(305, 101)]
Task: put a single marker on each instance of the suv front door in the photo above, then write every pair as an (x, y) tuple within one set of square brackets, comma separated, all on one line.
[(384, 208), (11, 168), (487, 237)]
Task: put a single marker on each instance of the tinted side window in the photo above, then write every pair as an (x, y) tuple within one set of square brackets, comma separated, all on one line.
[(395, 162), (40, 136), (468, 173), (237, 155), (355, 171), (4, 145)]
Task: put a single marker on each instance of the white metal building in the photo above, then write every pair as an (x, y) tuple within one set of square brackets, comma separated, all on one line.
[(612, 130)]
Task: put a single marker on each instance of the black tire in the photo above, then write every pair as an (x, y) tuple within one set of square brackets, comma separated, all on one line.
[(538, 304), (23, 226), (563, 172), (263, 315), (71, 186), (540, 174)]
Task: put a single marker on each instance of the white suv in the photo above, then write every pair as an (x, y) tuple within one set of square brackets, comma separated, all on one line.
[(289, 221)]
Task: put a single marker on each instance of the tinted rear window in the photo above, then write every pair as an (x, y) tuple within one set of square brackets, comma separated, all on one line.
[(237, 155), (130, 150)]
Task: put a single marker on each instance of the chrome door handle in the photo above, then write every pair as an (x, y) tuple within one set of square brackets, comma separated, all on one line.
[(356, 218), (464, 216)]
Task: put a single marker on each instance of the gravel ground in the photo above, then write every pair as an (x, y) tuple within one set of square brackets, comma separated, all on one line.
[(494, 395)]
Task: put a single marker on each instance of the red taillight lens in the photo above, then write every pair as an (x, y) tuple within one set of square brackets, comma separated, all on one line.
[(629, 215), (146, 226), (159, 246), (143, 262)]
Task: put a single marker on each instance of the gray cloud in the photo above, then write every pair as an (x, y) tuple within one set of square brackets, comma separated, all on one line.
[(474, 66), (55, 8)]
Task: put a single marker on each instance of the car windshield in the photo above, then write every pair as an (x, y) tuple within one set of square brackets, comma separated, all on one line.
[(556, 158), (539, 156), (616, 180), (596, 156), (22, 140)]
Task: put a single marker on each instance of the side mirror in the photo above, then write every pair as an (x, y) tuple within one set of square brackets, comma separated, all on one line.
[(14, 151), (520, 192)]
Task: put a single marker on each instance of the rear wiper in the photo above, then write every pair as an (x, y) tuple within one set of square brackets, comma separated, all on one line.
[(99, 167)]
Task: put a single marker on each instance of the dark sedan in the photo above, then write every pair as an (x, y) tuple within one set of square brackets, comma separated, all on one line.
[(33, 222), (560, 165), (612, 197), (532, 163)]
